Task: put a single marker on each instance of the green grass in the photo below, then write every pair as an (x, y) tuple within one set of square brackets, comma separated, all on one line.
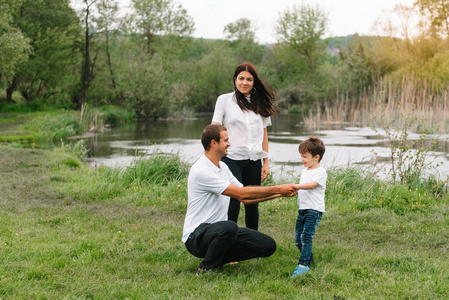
[(20, 127), (70, 232)]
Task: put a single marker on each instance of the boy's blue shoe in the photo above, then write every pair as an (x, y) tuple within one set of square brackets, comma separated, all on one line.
[(300, 270)]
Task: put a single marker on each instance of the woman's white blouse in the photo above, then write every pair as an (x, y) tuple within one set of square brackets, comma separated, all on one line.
[(245, 128)]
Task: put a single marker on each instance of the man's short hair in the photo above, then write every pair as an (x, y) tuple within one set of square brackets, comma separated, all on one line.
[(211, 132), (312, 145)]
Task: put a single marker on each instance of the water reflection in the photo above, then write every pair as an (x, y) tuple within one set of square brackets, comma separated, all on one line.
[(344, 144)]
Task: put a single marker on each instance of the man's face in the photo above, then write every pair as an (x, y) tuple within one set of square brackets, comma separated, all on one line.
[(224, 143)]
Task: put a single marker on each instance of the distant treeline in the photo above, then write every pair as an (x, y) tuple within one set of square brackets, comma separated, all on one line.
[(147, 61)]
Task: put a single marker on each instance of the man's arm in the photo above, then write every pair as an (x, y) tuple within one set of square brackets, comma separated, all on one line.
[(252, 201), (255, 194)]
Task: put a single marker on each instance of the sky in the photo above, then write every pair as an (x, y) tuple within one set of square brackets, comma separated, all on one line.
[(346, 17)]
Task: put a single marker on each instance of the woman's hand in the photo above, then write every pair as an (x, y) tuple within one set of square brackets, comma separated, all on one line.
[(265, 168), (265, 171)]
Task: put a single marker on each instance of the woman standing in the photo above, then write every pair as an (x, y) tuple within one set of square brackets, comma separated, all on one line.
[(246, 114)]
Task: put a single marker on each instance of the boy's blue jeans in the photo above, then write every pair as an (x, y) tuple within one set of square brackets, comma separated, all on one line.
[(306, 225)]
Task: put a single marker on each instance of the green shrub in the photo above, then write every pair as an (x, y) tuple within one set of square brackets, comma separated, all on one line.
[(295, 109), (115, 115)]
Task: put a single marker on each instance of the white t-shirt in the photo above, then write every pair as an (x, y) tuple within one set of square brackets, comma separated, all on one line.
[(206, 203), (313, 199), (245, 128)]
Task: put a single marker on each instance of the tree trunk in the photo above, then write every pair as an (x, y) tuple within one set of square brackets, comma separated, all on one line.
[(85, 76), (10, 91), (109, 61)]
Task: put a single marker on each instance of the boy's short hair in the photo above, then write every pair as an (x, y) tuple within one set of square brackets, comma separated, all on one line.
[(312, 145), (211, 132)]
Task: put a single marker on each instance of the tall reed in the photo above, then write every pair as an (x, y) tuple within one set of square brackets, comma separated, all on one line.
[(426, 100)]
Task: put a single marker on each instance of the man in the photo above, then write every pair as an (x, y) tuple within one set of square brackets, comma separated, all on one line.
[(207, 232)]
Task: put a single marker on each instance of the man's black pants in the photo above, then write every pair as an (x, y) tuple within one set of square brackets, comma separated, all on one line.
[(223, 242)]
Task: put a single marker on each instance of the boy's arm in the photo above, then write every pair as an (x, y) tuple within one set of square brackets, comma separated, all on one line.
[(306, 186)]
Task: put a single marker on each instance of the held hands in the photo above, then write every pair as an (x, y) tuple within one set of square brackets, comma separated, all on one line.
[(288, 190)]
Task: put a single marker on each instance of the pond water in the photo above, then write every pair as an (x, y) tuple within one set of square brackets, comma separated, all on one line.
[(345, 145)]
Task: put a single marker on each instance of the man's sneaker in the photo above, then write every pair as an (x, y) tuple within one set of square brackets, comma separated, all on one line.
[(300, 270), (201, 271)]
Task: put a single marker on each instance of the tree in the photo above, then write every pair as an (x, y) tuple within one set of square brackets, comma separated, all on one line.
[(437, 11), (14, 47), (406, 41), (400, 22), (153, 18), (358, 68), (241, 29), (51, 27), (107, 22), (88, 64), (153, 91), (301, 30), (241, 35), (214, 71)]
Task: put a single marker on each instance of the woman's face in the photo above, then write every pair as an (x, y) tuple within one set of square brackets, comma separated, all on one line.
[(244, 82)]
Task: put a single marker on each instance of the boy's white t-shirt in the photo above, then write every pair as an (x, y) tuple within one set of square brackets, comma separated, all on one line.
[(206, 202), (314, 198)]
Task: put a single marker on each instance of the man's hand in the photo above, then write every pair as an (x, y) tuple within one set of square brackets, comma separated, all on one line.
[(288, 190)]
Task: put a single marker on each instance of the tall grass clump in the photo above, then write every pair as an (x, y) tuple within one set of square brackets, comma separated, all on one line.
[(353, 188), (160, 179), (96, 119), (159, 168)]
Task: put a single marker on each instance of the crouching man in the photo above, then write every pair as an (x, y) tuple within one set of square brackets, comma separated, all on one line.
[(207, 232)]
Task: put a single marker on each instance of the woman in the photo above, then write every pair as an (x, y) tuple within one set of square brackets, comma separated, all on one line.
[(246, 114)]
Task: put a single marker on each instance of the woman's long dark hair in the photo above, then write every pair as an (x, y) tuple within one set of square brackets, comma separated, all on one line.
[(262, 100)]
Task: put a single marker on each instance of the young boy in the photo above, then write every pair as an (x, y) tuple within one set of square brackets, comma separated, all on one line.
[(312, 186)]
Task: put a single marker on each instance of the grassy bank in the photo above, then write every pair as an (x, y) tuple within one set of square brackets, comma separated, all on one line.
[(56, 124), (70, 232)]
